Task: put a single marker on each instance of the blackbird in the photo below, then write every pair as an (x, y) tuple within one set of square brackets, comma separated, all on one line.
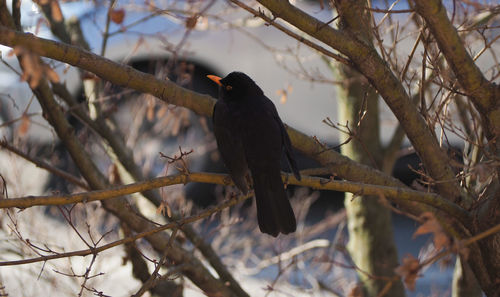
[(251, 135)]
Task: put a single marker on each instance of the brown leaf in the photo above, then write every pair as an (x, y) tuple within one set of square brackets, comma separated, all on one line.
[(191, 22), (32, 69), (150, 113), (409, 271), (164, 207), (114, 175), (283, 96), (176, 126), (117, 15), (431, 225), (51, 74), (356, 291), (89, 76), (24, 126), (161, 209), (56, 11), (162, 111), (283, 93)]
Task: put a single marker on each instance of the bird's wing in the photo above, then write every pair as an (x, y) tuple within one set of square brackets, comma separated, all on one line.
[(230, 145), (287, 144), (289, 151)]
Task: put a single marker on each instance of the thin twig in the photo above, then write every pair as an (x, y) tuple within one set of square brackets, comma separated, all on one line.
[(39, 163), (82, 253), (272, 22)]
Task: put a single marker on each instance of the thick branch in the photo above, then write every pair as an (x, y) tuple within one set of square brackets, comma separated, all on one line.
[(484, 94), (193, 268), (468, 74), (291, 33), (366, 60), (173, 94), (124, 156)]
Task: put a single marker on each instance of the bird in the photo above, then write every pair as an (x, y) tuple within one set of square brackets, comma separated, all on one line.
[(251, 137)]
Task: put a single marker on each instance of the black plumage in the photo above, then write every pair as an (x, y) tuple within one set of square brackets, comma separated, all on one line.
[(251, 136)]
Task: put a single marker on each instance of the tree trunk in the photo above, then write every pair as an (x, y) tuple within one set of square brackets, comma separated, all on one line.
[(371, 241)]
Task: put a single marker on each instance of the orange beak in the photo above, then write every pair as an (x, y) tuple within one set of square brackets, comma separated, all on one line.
[(216, 79)]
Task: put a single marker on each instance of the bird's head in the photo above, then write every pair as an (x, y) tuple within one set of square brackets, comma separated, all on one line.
[(236, 85)]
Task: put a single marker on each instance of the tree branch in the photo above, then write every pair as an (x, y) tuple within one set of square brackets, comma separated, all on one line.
[(395, 194), (124, 157), (484, 94), (366, 60), (292, 34), (173, 94), (468, 74), (67, 176), (193, 269), (143, 234)]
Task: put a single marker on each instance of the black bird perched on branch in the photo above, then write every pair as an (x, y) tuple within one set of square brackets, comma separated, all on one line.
[(251, 135)]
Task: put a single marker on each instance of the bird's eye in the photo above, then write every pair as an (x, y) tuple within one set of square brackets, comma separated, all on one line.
[(229, 88)]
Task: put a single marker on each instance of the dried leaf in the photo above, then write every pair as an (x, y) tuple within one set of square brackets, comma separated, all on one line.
[(3, 188), (356, 291), (164, 207), (283, 96), (24, 126), (431, 225), (51, 74), (176, 126), (161, 209), (161, 111), (56, 11), (114, 175), (191, 22), (284, 93), (89, 76), (117, 15), (150, 5), (41, 2), (409, 271), (204, 124), (39, 24), (169, 211), (33, 71), (150, 113)]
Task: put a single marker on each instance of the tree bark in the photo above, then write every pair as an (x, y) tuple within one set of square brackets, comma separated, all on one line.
[(371, 241)]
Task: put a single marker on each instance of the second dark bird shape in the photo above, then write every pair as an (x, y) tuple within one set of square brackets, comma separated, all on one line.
[(251, 136)]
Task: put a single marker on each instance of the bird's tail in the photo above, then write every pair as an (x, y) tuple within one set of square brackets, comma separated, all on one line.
[(274, 212)]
